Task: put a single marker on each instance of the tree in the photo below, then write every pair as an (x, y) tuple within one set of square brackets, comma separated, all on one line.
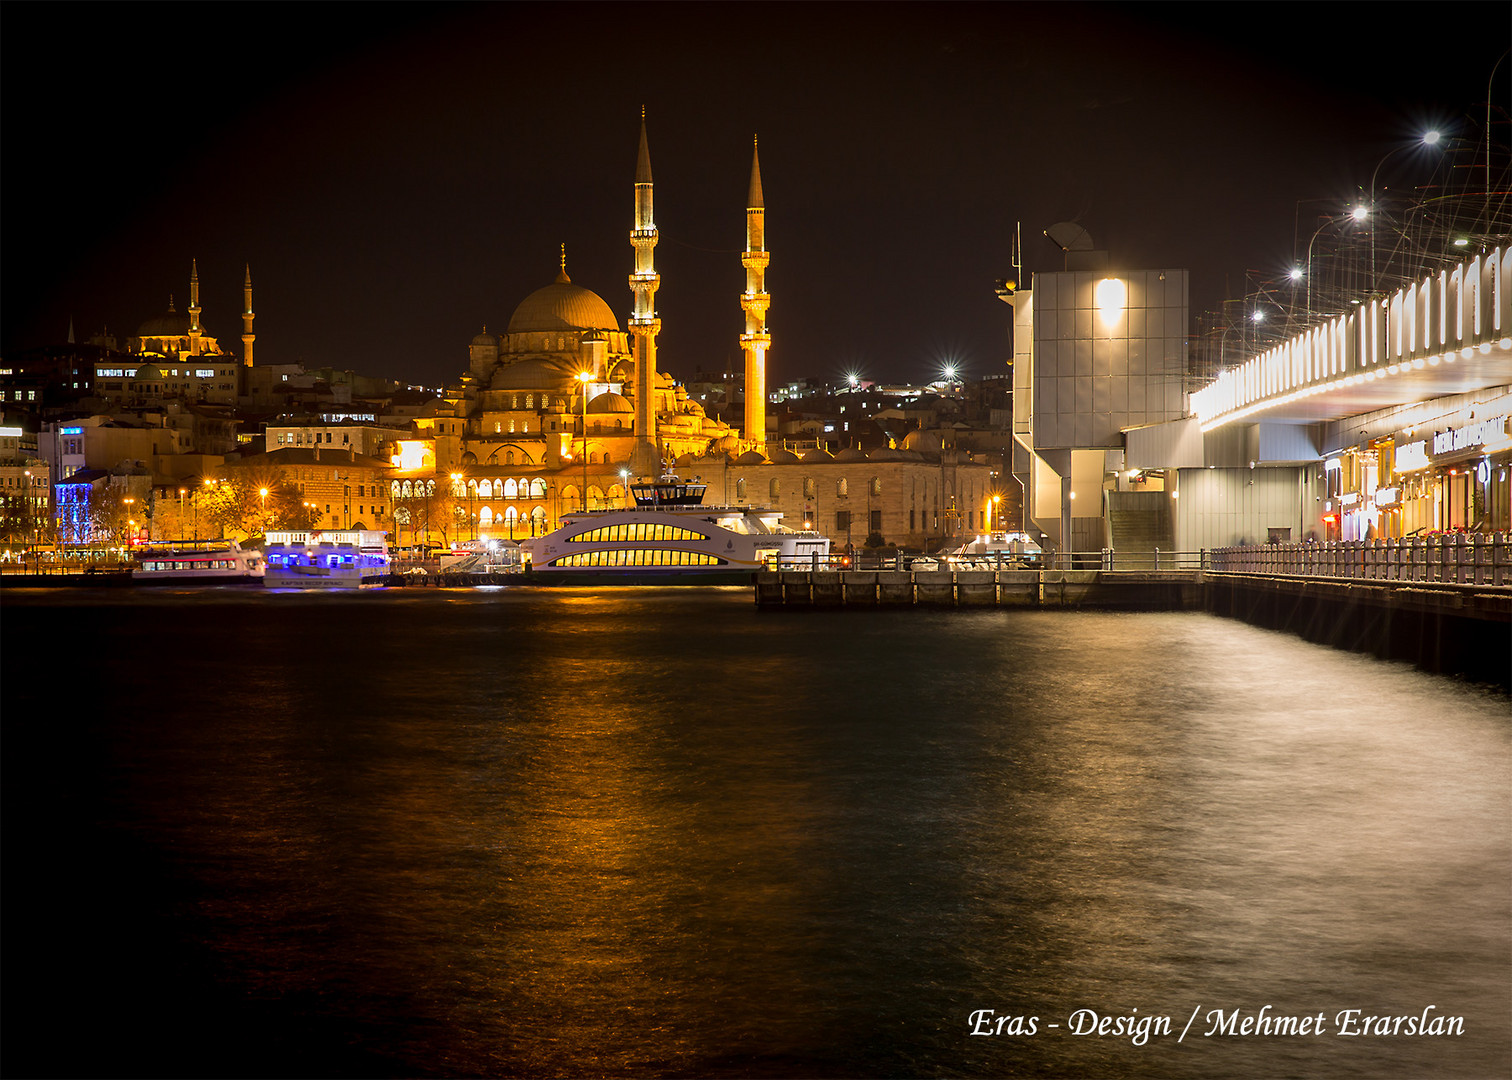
[(255, 497)]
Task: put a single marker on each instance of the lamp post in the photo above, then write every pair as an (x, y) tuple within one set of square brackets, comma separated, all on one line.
[(1359, 213), (584, 377), (1429, 138), (182, 492), (263, 492), (130, 521)]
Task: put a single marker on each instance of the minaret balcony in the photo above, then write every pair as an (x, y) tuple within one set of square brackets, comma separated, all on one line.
[(761, 340), (754, 259)]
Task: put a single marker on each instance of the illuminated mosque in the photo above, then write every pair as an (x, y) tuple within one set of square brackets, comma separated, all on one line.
[(565, 407), (522, 400)]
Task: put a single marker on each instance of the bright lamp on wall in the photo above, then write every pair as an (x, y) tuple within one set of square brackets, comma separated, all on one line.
[(1111, 295)]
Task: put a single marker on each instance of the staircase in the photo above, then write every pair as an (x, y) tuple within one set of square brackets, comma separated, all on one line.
[(1139, 522)]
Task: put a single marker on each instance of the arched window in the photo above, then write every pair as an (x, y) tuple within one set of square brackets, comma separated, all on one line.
[(810, 488), (538, 491), (525, 426), (485, 490), (876, 485), (485, 516), (842, 487), (407, 490), (511, 515), (394, 490), (775, 488), (530, 401), (740, 486), (430, 487), (498, 427), (511, 489), (509, 457), (514, 401)]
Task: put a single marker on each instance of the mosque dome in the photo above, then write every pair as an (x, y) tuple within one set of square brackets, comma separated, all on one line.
[(148, 373), (751, 457), (818, 454), (169, 324), (610, 402), (562, 306), (923, 441), (783, 457), (850, 453), (485, 338)]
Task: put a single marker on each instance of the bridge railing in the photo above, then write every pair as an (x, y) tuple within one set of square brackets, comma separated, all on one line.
[(1465, 558)]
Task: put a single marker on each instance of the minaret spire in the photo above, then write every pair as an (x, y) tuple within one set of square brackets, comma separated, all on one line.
[(754, 302), (195, 330), (645, 458), (248, 337)]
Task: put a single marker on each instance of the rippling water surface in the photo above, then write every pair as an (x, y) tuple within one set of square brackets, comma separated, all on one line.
[(657, 833)]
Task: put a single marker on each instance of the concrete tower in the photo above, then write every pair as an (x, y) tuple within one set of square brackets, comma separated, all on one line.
[(754, 301), (645, 458), (195, 330), (248, 337)]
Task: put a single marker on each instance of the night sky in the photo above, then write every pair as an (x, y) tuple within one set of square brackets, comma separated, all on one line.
[(400, 176)]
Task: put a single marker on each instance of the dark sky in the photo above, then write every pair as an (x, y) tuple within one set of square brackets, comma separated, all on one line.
[(399, 176)]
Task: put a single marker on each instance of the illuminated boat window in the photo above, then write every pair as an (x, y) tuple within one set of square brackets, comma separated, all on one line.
[(639, 557), (639, 531)]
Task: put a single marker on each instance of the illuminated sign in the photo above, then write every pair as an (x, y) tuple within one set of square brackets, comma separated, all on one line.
[(10, 433), (72, 431), (1388, 496), (1412, 456), (1463, 438)]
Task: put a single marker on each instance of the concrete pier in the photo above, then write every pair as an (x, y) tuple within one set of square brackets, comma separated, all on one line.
[(1127, 590)]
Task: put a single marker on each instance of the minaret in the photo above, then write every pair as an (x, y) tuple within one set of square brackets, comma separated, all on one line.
[(754, 301), (645, 458), (195, 329), (248, 337)]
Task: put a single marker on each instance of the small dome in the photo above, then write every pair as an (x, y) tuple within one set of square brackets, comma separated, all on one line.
[(783, 457), (610, 402), (752, 457), (817, 455), (485, 338), (886, 453), (562, 306), (148, 373), (923, 441), (529, 375), (850, 453)]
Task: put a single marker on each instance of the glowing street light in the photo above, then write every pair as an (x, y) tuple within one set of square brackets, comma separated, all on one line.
[(263, 492)]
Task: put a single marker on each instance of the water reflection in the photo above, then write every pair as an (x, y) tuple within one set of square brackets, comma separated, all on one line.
[(627, 833)]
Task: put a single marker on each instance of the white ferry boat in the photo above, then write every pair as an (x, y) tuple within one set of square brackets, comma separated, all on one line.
[(996, 551), (330, 559), (669, 537), (207, 562)]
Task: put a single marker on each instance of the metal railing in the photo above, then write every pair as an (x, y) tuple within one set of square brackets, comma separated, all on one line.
[(1465, 558)]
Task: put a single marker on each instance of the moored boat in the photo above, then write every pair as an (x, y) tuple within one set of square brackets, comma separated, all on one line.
[(207, 562), (995, 551), (669, 537), (330, 559)]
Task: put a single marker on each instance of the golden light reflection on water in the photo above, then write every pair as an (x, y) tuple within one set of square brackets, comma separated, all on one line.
[(626, 834)]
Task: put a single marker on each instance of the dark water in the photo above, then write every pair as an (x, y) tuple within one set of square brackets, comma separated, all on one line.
[(630, 832)]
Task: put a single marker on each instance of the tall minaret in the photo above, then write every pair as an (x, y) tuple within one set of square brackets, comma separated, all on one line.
[(755, 341), (195, 330), (248, 337), (645, 458)]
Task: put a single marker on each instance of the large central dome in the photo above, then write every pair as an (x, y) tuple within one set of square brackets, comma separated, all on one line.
[(562, 306)]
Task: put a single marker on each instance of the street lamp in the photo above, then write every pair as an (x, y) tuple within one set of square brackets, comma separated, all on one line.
[(1429, 138), (182, 492), (584, 377), (263, 492), (1359, 213)]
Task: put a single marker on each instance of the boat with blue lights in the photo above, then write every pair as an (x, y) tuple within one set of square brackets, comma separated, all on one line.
[(326, 559), (669, 537)]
